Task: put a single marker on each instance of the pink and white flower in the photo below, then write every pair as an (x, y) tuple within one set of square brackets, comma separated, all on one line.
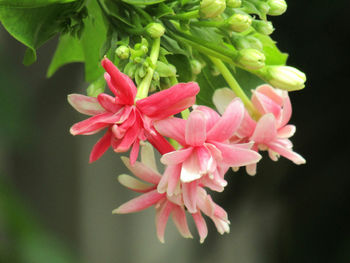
[(271, 131), (128, 121), (206, 153), (167, 205)]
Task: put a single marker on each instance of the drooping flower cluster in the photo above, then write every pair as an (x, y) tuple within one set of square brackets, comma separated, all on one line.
[(207, 144)]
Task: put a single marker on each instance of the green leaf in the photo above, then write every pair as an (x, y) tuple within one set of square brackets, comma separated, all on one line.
[(32, 3), (247, 80), (172, 46), (207, 34), (34, 26), (143, 2), (182, 65), (163, 10), (92, 40), (273, 55), (69, 50)]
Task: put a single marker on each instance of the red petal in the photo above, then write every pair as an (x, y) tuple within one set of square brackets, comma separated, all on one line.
[(101, 147)]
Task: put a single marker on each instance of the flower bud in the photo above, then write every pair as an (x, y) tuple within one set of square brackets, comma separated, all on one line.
[(239, 22), (233, 3), (254, 43), (211, 8), (122, 52), (196, 66), (262, 7), (250, 59), (277, 7), (263, 27), (241, 43), (155, 30), (285, 77)]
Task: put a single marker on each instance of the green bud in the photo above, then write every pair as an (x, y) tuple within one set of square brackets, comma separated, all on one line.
[(122, 52), (263, 27), (233, 3), (241, 42), (196, 66), (239, 22), (277, 7), (250, 59), (155, 30), (262, 7), (165, 70), (130, 69), (211, 8), (254, 43), (284, 77), (156, 76), (215, 71)]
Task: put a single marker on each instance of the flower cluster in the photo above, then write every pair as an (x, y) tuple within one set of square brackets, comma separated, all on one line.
[(205, 144)]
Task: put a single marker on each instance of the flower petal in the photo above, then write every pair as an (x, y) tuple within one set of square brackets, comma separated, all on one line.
[(237, 156), (85, 104), (195, 132), (190, 170), (174, 172), (158, 141), (162, 217), (101, 147), (141, 171), (211, 116), (176, 157), (134, 153), (286, 112), (120, 84), (287, 153), (173, 128), (265, 104), (222, 98), (265, 130), (94, 124), (228, 123), (179, 218), (108, 103), (139, 203), (201, 226), (286, 131), (170, 101), (189, 193), (134, 184), (147, 156)]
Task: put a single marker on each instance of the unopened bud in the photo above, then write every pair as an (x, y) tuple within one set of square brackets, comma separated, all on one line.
[(250, 59), (262, 7), (233, 3), (196, 66), (122, 52), (254, 43), (263, 27), (285, 77), (211, 8), (155, 30), (277, 7), (239, 22)]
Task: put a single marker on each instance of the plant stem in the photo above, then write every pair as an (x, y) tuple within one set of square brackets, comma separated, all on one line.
[(185, 16), (231, 81), (142, 90), (216, 24)]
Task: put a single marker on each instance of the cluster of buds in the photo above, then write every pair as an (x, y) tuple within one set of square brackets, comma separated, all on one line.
[(205, 144)]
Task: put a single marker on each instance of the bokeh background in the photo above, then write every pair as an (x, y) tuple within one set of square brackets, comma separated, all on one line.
[(55, 207)]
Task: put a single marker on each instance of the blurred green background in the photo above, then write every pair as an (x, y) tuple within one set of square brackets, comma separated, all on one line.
[(55, 207)]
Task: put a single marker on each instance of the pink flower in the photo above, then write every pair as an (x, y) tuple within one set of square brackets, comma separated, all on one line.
[(206, 153), (127, 122), (272, 131), (167, 205)]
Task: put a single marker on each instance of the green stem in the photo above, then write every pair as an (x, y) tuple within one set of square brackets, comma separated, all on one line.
[(142, 90), (231, 81), (185, 16), (216, 24)]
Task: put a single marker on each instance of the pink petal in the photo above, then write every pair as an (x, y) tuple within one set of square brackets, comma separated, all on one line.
[(228, 123), (176, 157), (174, 172), (211, 116), (265, 130), (206, 162), (94, 124), (237, 156), (201, 226), (272, 93), (141, 171), (162, 217), (286, 131), (287, 153), (247, 126), (251, 169), (134, 184), (101, 146), (134, 152), (222, 98), (85, 105), (172, 128), (205, 181), (195, 132), (170, 101), (122, 85), (108, 103), (190, 170), (158, 141), (130, 137), (286, 112), (265, 104), (189, 193), (179, 218), (139, 203)]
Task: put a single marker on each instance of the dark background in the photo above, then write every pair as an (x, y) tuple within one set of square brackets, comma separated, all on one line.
[(286, 213)]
